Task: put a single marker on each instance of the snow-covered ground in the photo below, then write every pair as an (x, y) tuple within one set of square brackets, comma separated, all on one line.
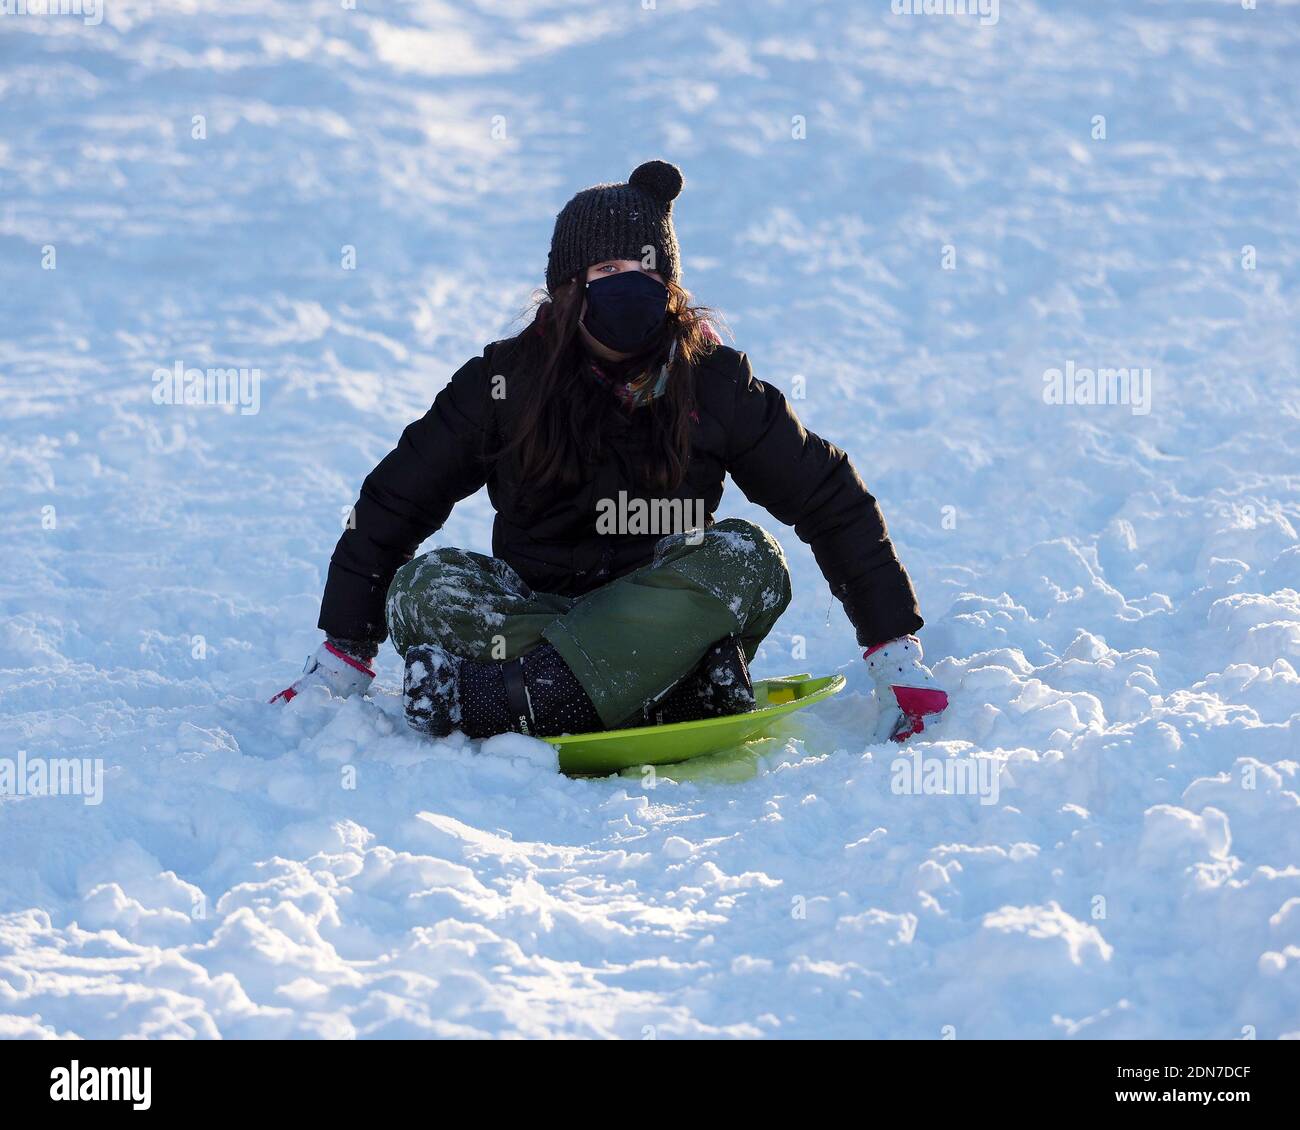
[(1111, 593)]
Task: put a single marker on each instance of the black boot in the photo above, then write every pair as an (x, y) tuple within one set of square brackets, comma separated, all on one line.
[(719, 685), (429, 691), (536, 694)]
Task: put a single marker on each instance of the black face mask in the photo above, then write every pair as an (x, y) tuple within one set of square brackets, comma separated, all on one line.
[(626, 310)]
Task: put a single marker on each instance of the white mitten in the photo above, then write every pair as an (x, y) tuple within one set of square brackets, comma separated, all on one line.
[(905, 689), (331, 667)]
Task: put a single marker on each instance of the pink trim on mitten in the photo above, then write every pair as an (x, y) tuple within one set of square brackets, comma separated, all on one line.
[(349, 660), (917, 704)]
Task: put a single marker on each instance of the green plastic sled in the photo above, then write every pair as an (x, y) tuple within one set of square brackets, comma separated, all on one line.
[(614, 750)]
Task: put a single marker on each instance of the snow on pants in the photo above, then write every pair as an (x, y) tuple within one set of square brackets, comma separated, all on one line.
[(627, 641)]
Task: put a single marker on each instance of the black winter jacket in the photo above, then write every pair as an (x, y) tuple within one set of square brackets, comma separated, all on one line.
[(743, 427)]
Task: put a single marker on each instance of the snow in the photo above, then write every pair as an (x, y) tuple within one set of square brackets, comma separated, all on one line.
[(1111, 593)]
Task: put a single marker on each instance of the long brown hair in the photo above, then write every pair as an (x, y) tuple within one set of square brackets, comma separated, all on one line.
[(558, 426)]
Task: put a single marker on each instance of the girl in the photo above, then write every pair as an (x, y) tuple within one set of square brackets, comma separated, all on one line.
[(603, 432)]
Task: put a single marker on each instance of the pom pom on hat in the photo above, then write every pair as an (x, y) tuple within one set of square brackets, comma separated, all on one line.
[(659, 180)]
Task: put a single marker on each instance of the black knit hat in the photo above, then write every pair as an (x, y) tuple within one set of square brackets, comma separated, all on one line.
[(618, 221)]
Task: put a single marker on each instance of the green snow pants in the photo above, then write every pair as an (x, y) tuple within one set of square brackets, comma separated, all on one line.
[(627, 641)]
